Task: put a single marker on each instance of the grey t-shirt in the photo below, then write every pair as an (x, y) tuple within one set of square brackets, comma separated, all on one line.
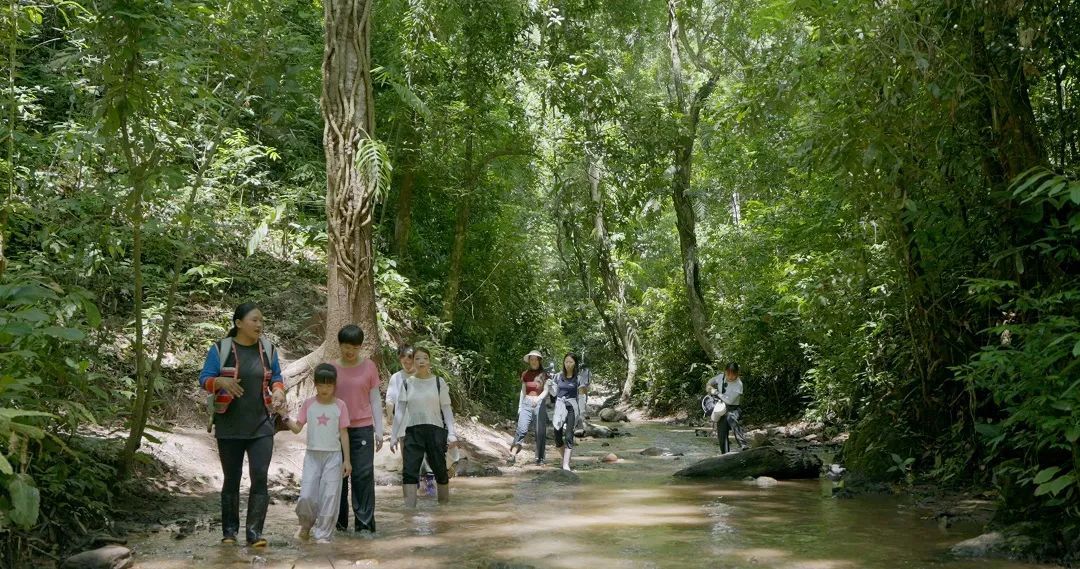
[(247, 417)]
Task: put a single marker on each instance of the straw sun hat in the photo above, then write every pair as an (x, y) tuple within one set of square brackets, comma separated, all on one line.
[(531, 354)]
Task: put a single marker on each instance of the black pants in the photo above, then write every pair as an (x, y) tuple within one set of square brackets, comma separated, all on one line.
[(259, 452), (729, 423), (565, 435), (231, 453), (424, 441), (362, 458)]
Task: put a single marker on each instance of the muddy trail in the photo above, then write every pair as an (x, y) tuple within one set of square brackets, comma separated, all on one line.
[(628, 513)]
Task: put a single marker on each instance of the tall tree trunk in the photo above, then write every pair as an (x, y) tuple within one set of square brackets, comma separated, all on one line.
[(614, 287), (569, 230), (1015, 140), (410, 156), (457, 257), (683, 156), (348, 114), (461, 228), (137, 171), (403, 215)]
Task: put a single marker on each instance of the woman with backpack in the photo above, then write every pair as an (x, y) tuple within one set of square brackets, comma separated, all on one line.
[(243, 376), (423, 427)]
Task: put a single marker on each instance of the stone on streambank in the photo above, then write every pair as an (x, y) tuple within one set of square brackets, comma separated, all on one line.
[(612, 415), (765, 461), (1005, 544), (109, 557), (1041, 541)]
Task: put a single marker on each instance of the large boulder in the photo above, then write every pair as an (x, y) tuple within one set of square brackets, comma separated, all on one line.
[(765, 461), (109, 557)]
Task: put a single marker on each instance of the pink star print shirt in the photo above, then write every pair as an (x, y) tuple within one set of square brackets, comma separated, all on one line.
[(325, 423)]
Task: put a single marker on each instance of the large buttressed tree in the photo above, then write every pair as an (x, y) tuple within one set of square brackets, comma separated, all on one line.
[(355, 168)]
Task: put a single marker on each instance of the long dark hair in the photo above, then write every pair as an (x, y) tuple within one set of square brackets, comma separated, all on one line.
[(574, 357), (241, 312)]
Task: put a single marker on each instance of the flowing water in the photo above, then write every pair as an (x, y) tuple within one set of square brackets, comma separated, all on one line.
[(628, 514)]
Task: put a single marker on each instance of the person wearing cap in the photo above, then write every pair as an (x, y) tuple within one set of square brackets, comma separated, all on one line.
[(531, 407)]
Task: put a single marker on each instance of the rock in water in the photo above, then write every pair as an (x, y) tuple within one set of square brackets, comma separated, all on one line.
[(764, 461), (655, 451), (611, 457), (598, 431), (468, 468), (765, 482), (985, 545), (557, 476), (110, 557), (608, 415)]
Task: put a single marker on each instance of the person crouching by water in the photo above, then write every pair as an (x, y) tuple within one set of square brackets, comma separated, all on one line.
[(729, 389), (423, 427), (564, 388), (327, 459), (243, 376), (531, 408)]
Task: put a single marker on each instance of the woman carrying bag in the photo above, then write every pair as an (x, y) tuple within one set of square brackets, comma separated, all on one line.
[(243, 376)]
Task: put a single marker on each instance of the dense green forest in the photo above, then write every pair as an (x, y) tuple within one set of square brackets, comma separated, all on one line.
[(874, 207)]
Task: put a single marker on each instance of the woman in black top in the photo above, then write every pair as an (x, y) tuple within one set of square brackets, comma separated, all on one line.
[(244, 376)]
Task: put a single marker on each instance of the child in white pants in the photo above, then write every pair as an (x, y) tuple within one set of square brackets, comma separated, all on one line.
[(327, 459)]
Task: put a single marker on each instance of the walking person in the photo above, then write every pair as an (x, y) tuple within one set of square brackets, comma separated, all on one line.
[(532, 407), (423, 428), (326, 461), (405, 355), (358, 387), (243, 376), (729, 389), (564, 387)]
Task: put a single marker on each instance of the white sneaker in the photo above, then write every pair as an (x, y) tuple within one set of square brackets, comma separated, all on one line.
[(322, 541)]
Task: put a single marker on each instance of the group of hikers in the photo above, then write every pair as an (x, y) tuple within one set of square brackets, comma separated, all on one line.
[(344, 422)]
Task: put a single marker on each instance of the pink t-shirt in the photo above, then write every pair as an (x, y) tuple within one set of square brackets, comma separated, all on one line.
[(354, 385), (324, 422)]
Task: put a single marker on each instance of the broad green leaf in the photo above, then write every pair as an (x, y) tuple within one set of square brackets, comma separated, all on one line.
[(25, 501), (62, 333), (93, 315), (1046, 474), (12, 413), (5, 466), (28, 430), (1054, 487)]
